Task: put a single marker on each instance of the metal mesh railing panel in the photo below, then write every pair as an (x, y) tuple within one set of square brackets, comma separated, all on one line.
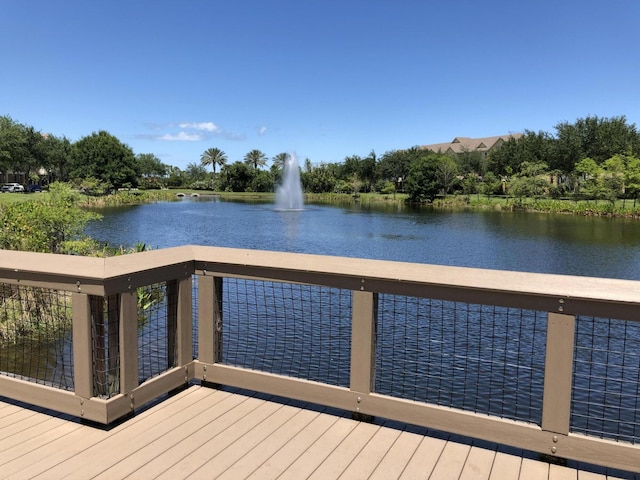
[(606, 379), (105, 339), (297, 330), (35, 335), (156, 331), (481, 358)]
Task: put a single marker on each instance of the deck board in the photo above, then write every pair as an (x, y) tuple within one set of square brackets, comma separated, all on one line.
[(317, 453), (218, 437), (206, 433), (282, 459)]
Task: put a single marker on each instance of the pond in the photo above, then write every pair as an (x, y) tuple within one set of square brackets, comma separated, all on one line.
[(545, 243)]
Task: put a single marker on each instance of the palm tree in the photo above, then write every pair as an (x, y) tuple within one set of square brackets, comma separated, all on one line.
[(213, 157), (279, 160), (255, 158)]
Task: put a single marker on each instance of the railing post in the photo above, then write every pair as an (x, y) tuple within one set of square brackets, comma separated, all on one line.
[(179, 319), (363, 341), (210, 319), (558, 373), (82, 351), (128, 338)]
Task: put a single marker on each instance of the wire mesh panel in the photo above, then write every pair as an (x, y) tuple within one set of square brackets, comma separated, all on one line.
[(301, 331), (606, 379), (157, 332), (480, 358), (105, 338), (35, 335)]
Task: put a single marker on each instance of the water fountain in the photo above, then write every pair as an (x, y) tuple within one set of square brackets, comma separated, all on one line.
[(289, 192)]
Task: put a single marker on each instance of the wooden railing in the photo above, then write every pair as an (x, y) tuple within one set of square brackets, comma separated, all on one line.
[(115, 280)]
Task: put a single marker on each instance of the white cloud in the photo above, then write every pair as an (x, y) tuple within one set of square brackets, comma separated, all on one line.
[(181, 137), (262, 130), (190, 132), (206, 126)]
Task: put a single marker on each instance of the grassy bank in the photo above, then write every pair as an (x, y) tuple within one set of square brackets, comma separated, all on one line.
[(604, 208)]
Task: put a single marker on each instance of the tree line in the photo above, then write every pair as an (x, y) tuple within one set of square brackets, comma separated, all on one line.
[(593, 157)]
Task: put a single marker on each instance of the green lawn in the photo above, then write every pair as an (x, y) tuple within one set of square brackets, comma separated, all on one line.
[(6, 198)]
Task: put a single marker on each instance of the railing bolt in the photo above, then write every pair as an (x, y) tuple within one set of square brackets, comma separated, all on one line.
[(204, 272), (359, 399), (204, 378), (555, 439), (204, 368), (554, 449), (82, 413), (82, 401)]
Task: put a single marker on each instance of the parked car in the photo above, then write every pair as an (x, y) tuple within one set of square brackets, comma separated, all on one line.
[(11, 187), (33, 188)]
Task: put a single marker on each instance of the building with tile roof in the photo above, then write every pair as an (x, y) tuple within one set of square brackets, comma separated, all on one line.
[(467, 144)]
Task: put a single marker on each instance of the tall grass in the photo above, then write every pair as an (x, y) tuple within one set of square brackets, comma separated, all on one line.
[(130, 197), (33, 313)]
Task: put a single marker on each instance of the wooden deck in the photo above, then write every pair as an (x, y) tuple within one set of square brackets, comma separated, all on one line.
[(207, 433)]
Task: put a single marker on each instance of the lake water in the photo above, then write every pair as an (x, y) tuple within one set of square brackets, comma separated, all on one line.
[(546, 243)]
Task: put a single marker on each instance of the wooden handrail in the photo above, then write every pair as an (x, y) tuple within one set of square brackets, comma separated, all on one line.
[(116, 278)]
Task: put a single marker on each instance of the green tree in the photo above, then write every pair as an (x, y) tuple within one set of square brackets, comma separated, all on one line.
[(151, 166), (236, 177), (213, 157), (194, 172), (587, 168), (57, 158), (589, 178), (394, 165), (521, 186), (471, 161), (256, 159), (319, 179), (422, 182), (176, 177), (279, 160), (490, 184), (261, 181), (447, 173), (531, 147), (22, 147), (596, 138), (103, 156), (11, 141), (632, 178)]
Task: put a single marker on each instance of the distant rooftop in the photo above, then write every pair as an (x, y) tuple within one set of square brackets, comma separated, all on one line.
[(467, 144)]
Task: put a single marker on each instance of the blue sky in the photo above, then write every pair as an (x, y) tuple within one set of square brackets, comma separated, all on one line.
[(323, 79)]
